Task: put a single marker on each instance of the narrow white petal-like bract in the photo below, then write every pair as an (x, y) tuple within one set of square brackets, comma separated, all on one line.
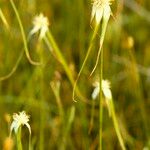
[(105, 88), (95, 93), (100, 10)]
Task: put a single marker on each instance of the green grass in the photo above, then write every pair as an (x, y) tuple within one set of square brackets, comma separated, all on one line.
[(57, 122)]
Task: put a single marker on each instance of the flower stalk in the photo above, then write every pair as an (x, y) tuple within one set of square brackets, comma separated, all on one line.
[(85, 59), (19, 143), (101, 11), (104, 88), (100, 101)]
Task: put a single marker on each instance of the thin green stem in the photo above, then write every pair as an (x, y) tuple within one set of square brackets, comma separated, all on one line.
[(42, 92), (101, 102), (4, 19), (53, 46), (41, 140), (13, 69), (56, 91), (60, 56), (86, 57), (92, 116), (116, 126), (30, 148), (23, 35), (19, 144), (67, 128), (104, 27)]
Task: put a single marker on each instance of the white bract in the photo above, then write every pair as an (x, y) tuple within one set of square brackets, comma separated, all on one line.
[(40, 24), (101, 9), (95, 91), (19, 120), (105, 88)]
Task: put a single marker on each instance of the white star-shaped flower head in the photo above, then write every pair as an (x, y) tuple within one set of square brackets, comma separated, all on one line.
[(40, 24), (19, 120), (100, 9), (105, 88)]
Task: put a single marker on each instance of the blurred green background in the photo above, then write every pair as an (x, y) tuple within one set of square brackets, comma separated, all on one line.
[(126, 65)]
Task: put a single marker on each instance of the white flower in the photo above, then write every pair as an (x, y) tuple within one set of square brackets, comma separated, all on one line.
[(105, 88), (19, 120), (101, 9), (41, 24)]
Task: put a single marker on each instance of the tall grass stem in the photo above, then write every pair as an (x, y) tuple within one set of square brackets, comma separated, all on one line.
[(85, 60), (116, 126), (19, 143), (100, 101), (23, 35)]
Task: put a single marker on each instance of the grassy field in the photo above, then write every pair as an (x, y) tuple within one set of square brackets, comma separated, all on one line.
[(38, 74)]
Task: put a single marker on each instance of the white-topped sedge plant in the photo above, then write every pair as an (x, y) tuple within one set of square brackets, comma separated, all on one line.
[(110, 106), (100, 14), (19, 120)]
